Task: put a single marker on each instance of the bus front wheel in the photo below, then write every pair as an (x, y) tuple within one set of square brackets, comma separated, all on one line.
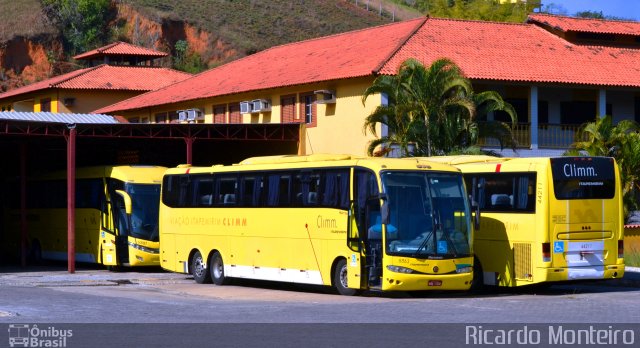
[(477, 284), (199, 269), (217, 270), (340, 279)]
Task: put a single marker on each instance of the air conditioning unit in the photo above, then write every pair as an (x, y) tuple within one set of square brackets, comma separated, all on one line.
[(194, 114), (328, 96), (68, 101), (261, 105), (182, 115), (246, 107)]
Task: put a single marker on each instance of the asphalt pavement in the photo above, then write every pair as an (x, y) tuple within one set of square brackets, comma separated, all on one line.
[(54, 275)]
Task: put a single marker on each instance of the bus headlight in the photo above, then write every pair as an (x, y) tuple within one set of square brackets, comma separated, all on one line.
[(464, 269), (143, 248), (399, 269)]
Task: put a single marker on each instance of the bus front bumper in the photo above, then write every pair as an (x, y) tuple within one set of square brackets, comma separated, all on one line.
[(392, 281), (584, 273)]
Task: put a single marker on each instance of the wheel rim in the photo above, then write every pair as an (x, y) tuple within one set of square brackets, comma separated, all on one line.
[(218, 268), (199, 267), (343, 276)]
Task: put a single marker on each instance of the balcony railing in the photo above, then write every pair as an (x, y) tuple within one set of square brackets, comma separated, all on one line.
[(551, 136)]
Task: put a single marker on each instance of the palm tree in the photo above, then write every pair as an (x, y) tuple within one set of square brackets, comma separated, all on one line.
[(435, 93), (403, 127), (621, 141), (434, 108)]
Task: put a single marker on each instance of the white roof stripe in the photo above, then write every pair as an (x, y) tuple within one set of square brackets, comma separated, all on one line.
[(57, 117)]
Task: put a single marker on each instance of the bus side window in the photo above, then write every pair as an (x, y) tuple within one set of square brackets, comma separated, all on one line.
[(226, 190)]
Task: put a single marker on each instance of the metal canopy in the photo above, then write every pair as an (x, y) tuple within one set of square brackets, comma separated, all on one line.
[(70, 126), (280, 132)]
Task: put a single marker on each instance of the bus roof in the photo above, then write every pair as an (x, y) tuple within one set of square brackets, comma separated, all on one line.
[(142, 174), (318, 160), (464, 159)]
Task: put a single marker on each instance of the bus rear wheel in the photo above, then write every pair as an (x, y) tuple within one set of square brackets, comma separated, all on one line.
[(199, 269), (217, 270), (340, 279)]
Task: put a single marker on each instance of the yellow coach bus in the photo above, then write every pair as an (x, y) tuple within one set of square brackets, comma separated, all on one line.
[(545, 219), (116, 216), (335, 220)]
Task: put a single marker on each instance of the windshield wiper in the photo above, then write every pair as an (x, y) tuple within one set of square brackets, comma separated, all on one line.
[(424, 243)]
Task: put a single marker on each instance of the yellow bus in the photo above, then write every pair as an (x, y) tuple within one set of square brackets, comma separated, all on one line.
[(545, 219), (116, 216), (334, 220)]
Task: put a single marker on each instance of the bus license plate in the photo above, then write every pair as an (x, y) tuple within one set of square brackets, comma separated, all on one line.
[(435, 283)]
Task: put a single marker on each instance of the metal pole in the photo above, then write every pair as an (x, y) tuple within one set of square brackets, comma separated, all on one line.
[(71, 199), (189, 142), (23, 204)]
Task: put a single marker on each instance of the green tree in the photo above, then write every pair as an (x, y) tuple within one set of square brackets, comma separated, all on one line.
[(621, 141), (489, 10), (84, 24), (590, 14), (404, 128), (186, 60), (435, 93), (434, 109)]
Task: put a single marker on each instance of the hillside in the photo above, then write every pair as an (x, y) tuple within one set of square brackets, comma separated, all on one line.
[(253, 25), (217, 30)]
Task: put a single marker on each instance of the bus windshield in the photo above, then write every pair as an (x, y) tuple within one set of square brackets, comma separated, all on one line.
[(429, 215), (144, 210)]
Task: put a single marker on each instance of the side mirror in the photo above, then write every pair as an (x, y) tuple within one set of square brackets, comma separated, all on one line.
[(384, 210), (475, 207), (127, 201)]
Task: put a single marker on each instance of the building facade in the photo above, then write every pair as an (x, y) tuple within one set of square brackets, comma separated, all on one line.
[(558, 72)]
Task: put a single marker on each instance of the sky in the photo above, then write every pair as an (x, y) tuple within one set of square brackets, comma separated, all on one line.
[(628, 9)]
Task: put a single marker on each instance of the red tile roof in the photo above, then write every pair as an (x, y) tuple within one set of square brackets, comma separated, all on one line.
[(107, 77), (518, 52), (352, 54), (483, 50), (121, 49), (586, 24)]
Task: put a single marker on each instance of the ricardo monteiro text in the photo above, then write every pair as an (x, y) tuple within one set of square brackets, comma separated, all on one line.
[(553, 334)]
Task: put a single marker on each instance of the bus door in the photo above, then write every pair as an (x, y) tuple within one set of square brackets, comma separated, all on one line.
[(369, 226), (583, 215), (121, 222), (107, 236)]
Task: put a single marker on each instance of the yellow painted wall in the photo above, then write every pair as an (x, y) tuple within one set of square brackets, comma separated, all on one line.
[(339, 126), (87, 101)]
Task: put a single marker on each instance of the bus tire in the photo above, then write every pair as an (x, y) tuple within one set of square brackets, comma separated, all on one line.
[(199, 269), (36, 253), (340, 279), (217, 270), (477, 284)]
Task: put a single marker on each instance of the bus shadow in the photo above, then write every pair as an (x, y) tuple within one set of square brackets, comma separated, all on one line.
[(561, 289), (62, 266)]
